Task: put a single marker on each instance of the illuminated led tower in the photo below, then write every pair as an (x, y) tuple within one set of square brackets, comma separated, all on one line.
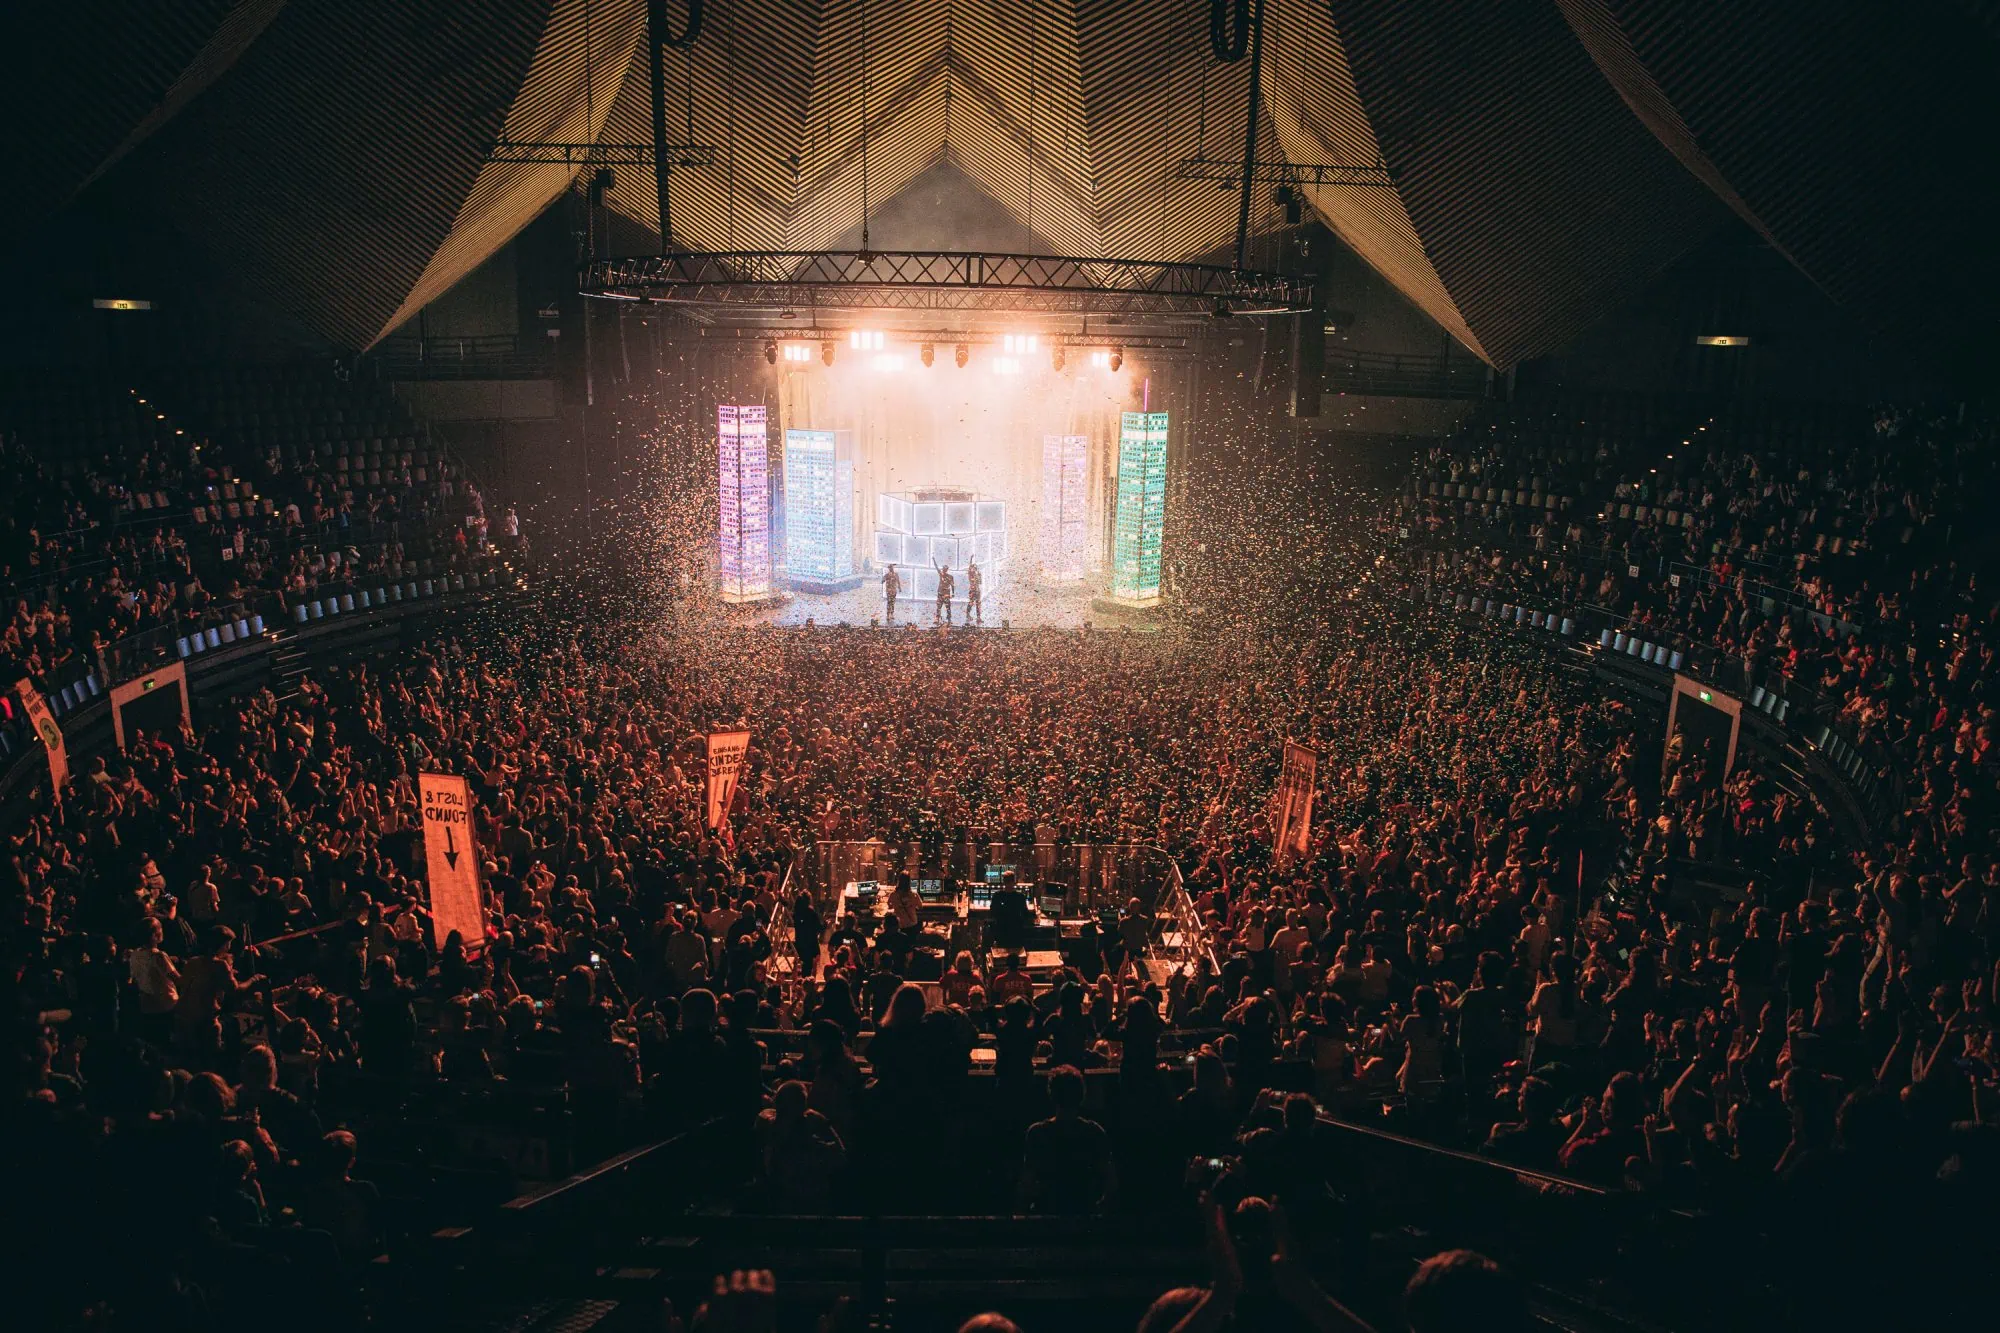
[(1141, 513), (744, 569), (1065, 525), (819, 512)]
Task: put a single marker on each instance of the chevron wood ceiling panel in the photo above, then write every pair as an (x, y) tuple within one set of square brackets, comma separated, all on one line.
[(73, 99), (1858, 145), (1541, 200), (578, 72), (751, 75), (1152, 95), (1016, 120), (330, 164), (1320, 118), (906, 92)]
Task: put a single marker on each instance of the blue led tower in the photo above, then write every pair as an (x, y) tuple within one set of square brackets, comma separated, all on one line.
[(819, 512)]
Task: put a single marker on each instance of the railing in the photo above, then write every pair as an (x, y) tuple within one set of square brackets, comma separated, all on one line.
[(1563, 1235), (1425, 375), (502, 356), (1872, 770)]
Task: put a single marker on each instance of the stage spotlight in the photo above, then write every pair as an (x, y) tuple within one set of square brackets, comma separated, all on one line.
[(928, 353), (1014, 344), (1100, 360), (826, 353), (960, 354), (1117, 359), (1056, 357), (864, 340), (799, 352), (770, 352)]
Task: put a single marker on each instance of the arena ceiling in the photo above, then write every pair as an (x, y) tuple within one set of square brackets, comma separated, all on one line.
[(1548, 157)]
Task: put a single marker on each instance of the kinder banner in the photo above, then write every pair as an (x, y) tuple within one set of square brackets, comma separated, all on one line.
[(1292, 803), (45, 726), (725, 766), (451, 861)]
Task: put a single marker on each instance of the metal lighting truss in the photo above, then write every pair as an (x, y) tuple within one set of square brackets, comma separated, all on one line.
[(933, 280), (602, 154), (1295, 174)]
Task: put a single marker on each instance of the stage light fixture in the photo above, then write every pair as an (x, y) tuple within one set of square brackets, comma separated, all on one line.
[(826, 353), (928, 353), (770, 352), (960, 354), (799, 352), (1100, 359), (864, 340), (1117, 359), (1014, 344), (1056, 358)]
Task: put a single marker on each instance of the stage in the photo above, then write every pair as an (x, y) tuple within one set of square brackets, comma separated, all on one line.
[(1021, 606)]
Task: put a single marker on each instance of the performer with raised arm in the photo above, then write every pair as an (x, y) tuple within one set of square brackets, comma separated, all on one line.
[(946, 587), (973, 579)]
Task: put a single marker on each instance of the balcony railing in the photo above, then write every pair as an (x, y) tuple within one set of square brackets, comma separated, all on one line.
[(501, 356)]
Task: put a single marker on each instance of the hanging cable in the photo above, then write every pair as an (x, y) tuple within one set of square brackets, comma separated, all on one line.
[(1229, 32), (1031, 114), (730, 94), (689, 34), (864, 126)]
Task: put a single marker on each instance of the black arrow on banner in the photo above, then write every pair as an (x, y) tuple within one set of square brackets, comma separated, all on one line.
[(450, 849)]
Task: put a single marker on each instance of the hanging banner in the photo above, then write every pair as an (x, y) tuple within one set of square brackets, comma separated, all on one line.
[(451, 861), (44, 723), (1292, 803), (725, 765)]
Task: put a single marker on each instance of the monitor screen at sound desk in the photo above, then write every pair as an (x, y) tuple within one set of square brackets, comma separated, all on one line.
[(930, 888), (996, 873)]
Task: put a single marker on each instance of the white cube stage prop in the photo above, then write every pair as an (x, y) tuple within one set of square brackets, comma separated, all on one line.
[(917, 531)]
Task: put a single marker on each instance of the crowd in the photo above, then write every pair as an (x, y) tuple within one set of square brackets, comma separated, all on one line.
[(146, 526), (218, 944)]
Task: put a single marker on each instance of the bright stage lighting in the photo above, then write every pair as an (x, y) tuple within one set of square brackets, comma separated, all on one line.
[(960, 354), (928, 353), (889, 362), (800, 352), (1100, 360), (1117, 358), (826, 353), (864, 340), (1056, 358), (1006, 365), (1017, 343)]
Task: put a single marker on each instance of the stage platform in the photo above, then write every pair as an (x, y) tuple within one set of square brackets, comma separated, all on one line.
[(1023, 606)]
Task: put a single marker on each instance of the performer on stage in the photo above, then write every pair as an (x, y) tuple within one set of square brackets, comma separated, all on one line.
[(892, 583), (972, 581), (946, 587)]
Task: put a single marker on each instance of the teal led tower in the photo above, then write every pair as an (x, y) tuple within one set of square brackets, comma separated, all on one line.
[(1140, 516)]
